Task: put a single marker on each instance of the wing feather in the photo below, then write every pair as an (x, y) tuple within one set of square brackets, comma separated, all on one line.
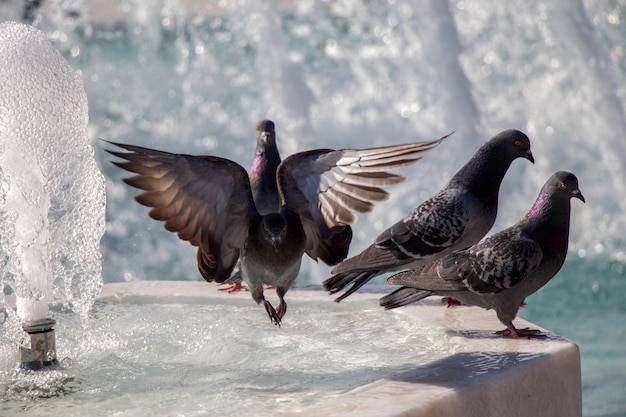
[(499, 262), (333, 186), (206, 200)]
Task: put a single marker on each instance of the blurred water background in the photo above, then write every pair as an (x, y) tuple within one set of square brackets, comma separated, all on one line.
[(195, 77)]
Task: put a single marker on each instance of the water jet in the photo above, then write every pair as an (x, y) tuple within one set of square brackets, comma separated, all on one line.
[(51, 192)]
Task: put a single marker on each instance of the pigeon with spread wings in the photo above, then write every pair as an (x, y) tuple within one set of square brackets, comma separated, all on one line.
[(264, 185), (208, 201)]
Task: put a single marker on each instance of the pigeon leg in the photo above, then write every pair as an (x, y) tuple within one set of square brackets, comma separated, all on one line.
[(256, 288), (237, 286), (282, 307), (274, 316), (526, 333)]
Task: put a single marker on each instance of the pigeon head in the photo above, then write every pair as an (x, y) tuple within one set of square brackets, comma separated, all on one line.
[(563, 185), (274, 229), (485, 171), (265, 133), (511, 144), (554, 198)]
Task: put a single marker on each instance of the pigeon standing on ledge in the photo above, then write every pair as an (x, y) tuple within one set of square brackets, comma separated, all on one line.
[(501, 271), (455, 218), (209, 202)]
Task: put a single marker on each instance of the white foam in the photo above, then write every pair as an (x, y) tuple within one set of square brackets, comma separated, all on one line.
[(52, 198)]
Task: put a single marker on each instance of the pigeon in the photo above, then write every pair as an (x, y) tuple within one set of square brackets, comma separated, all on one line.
[(502, 270), (267, 200), (263, 185), (208, 201), (455, 218)]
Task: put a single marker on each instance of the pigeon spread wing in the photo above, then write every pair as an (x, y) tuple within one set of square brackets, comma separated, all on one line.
[(329, 188), (205, 200), (498, 263)]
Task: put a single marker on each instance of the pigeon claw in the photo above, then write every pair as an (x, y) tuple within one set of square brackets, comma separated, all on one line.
[(525, 333), (237, 286), (274, 316), (282, 309)]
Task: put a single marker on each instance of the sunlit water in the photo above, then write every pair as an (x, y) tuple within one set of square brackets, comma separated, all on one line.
[(52, 194), (353, 74), (221, 357)]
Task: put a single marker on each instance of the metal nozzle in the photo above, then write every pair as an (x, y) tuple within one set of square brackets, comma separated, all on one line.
[(42, 351)]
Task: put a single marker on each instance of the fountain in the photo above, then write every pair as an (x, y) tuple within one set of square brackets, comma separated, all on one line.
[(52, 201), (194, 77)]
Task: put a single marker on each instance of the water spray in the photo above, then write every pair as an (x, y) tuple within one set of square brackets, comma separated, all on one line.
[(52, 195)]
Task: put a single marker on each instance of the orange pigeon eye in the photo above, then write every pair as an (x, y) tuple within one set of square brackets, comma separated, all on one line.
[(560, 184), (518, 143)]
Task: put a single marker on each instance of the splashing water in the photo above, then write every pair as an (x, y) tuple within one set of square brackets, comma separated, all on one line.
[(52, 194)]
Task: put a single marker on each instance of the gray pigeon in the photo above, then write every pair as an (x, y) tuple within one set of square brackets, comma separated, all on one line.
[(209, 202), (455, 218), (264, 185), (501, 271)]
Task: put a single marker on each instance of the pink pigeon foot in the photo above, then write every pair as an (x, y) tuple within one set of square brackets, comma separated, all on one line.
[(525, 333), (451, 302), (237, 286)]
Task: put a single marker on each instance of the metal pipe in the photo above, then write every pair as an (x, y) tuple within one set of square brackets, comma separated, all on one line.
[(42, 351)]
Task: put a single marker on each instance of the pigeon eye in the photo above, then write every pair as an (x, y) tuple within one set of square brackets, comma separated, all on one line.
[(560, 185), (518, 142)]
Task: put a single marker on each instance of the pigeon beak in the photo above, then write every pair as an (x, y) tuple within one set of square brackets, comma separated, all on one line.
[(276, 242), (529, 156), (264, 135), (577, 194)]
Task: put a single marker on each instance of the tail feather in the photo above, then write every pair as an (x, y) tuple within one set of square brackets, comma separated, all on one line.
[(338, 282), (403, 296)]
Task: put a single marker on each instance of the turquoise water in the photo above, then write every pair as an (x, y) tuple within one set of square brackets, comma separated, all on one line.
[(585, 303), (353, 74)]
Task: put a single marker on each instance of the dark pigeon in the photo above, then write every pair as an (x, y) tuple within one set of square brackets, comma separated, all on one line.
[(501, 271), (264, 185), (209, 202), (455, 218)]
